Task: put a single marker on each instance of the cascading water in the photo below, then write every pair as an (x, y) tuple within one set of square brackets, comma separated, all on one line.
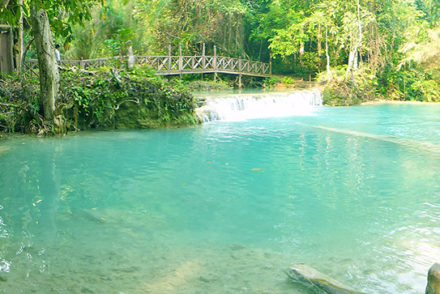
[(235, 107)]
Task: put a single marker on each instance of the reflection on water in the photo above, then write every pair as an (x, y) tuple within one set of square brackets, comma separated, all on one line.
[(225, 207)]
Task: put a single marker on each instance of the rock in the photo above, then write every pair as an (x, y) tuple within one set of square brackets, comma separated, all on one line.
[(316, 281), (92, 216), (237, 247), (433, 286)]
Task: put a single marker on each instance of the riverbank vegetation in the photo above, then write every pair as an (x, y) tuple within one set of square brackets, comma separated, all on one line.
[(358, 50), (96, 99)]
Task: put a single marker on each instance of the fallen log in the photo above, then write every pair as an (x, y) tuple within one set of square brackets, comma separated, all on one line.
[(316, 281)]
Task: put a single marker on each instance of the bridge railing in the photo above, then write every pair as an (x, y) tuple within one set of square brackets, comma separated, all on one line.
[(173, 65), (204, 64)]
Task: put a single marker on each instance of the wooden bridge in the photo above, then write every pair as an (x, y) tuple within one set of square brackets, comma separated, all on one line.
[(178, 65)]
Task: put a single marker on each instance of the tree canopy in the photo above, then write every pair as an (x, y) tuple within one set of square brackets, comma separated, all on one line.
[(387, 41)]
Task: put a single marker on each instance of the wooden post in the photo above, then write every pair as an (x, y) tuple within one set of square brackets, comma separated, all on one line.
[(270, 63), (214, 63), (180, 60), (240, 85), (169, 57), (81, 63), (203, 59)]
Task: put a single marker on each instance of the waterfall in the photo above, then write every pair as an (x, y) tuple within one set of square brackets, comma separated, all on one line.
[(236, 107)]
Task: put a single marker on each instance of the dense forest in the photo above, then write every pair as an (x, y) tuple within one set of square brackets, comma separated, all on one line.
[(358, 49), (389, 48)]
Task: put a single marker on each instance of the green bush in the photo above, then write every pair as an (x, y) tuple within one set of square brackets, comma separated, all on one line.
[(272, 81), (288, 81), (343, 91), (427, 90), (198, 86), (97, 99)]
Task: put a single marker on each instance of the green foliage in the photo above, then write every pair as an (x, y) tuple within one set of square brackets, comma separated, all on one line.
[(428, 90), (97, 100), (19, 105), (135, 100), (342, 92), (288, 81), (204, 86), (270, 82)]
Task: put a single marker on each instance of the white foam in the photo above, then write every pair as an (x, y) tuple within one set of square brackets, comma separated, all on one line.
[(250, 106)]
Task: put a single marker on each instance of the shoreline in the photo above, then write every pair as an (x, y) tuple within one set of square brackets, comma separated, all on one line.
[(377, 102)]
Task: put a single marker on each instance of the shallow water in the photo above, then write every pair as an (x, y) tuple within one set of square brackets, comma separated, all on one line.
[(225, 207)]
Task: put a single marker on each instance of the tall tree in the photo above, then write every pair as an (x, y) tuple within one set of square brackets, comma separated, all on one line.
[(47, 17), (47, 65), (58, 14)]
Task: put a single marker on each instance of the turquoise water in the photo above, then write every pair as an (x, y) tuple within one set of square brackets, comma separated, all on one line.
[(225, 207)]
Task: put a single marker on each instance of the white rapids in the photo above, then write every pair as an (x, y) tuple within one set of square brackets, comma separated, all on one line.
[(238, 107)]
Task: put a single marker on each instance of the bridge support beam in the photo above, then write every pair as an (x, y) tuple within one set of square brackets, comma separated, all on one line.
[(180, 61), (240, 85), (214, 63), (203, 60), (169, 57)]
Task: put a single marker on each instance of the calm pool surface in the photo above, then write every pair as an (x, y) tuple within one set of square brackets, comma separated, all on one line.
[(225, 207)]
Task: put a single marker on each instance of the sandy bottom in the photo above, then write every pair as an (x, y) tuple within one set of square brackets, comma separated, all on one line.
[(156, 262)]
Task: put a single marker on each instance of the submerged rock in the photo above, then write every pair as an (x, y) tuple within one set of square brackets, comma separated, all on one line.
[(316, 281), (92, 216), (433, 286), (3, 149)]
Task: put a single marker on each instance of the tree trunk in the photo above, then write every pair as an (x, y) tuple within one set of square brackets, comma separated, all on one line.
[(356, 61), (20, 37), (48, 69), (355, 45), (358, 56), (301, 47), (329, 73), (351, 55), (319, 41)]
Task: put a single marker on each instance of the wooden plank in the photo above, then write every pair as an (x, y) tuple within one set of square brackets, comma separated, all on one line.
[(198, 61), (208, 62), (161, 64), (187, 62)]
